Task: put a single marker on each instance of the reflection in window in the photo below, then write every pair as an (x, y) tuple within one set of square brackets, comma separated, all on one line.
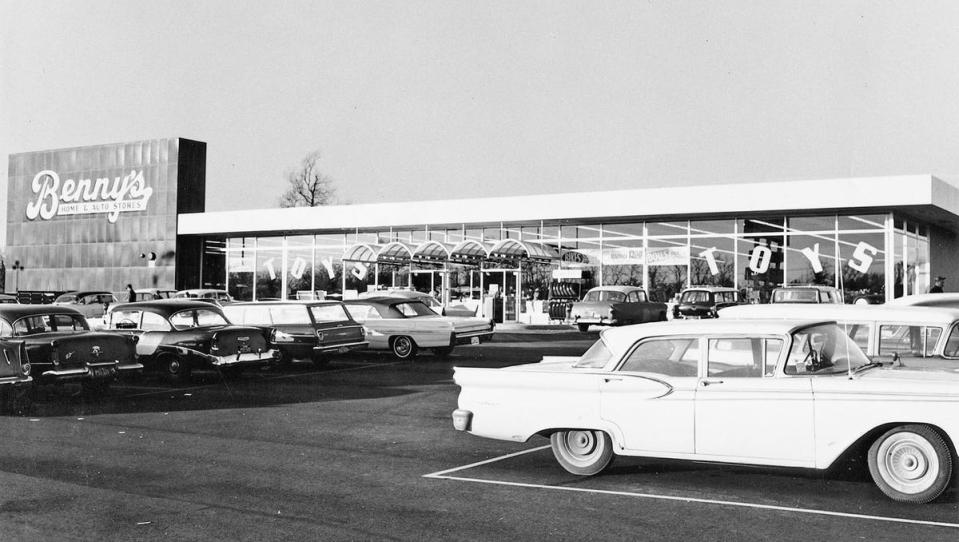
[(908, 341), (669, 357), (742, 357)]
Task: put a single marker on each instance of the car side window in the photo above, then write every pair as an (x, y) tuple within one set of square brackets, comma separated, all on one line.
[(154, 322), (750, 357), (633, 297), (669, 357), (915, 341), (6, 330)]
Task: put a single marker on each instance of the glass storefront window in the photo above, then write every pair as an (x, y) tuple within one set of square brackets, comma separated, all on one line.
[(712, 261), (661, 229), (580, 251), (328, 268), (214, 263), (773, 224), (269, 268), (712, 227), (239, 253), (861, 222), (760, 266), (811, 259), (623, 255), (667, 266), (811, 223), (862, 260), (299, 267)]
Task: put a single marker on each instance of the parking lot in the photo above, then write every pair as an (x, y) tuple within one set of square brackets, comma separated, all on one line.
[(364, 450)]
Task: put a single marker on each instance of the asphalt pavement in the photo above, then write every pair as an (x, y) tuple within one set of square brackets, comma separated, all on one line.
[(364, 450)]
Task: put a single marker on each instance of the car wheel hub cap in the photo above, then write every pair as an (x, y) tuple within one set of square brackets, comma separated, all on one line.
[(581, 443), (908, 463)]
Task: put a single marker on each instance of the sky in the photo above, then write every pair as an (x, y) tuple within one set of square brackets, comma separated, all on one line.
[(419, 100)]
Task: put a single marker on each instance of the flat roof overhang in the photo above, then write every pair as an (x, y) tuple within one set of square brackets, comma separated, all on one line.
[(925, 197)]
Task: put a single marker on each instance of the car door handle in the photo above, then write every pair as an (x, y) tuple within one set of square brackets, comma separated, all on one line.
[(707, 381), (613, 380)]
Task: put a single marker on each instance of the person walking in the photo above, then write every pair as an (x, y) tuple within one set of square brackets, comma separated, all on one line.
[(937, 286), (132, 293)]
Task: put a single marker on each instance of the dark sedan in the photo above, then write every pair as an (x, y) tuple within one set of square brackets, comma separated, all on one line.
[(15, 380), (303, 329), (705, 301), (179, 335), (61, 348)]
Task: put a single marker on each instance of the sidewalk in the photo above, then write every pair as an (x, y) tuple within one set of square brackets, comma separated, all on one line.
[(515, 327)]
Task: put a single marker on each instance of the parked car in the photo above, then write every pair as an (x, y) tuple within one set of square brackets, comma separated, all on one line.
[(453, 309), (795, 393), (404, 326), (704, 301), (216, 296), (61, 348), (915, 337), (15, 380), (812, 293), (92, 304), (615, 306), (177, 336), (8, 298), (303, 329)]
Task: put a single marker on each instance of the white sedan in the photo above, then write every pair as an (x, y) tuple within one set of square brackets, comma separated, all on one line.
[(795, 393)]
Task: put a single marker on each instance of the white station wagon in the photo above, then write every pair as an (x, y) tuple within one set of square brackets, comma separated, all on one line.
[(796, 393)]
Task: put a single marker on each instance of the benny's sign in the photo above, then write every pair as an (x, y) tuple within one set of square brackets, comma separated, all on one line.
[(87, 196)]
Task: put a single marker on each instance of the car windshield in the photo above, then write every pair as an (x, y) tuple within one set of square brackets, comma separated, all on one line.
[(597, 356), (795, 296), (412, 309), (197, 318), (823, 349), (42, 323)]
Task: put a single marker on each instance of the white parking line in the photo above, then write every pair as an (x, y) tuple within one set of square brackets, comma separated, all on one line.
[(443, 475)]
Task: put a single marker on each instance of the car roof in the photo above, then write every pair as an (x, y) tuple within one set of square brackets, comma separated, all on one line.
[(923, 299), (891, 313), (282, 303), (615, 288), (711, 289), (806, 287), (619, 339), (384, 300), (78, 293), (165, 306), (16, 310)]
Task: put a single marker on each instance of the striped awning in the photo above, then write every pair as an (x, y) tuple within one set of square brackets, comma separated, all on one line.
[(512, 249)]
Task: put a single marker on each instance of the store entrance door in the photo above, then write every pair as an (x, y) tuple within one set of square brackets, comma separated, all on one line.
[(501, 301)]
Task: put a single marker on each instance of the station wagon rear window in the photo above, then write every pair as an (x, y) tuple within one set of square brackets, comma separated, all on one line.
[(329, 313)]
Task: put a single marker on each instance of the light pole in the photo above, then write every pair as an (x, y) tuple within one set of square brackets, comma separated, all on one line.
[(17, 267)]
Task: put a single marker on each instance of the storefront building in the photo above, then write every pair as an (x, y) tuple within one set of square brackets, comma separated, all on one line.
[(100, 217), (873, 238)]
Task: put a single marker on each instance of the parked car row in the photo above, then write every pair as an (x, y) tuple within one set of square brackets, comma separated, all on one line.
[(55, 343)]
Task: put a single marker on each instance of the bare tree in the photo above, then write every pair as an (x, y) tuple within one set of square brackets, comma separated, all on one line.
[(308, 186)]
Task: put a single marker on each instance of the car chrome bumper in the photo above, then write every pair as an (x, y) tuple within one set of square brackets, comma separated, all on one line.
[(93, 370), (462, 419), (600, 321), (15, 380), (248, 358), (473, 337), (340, 348)]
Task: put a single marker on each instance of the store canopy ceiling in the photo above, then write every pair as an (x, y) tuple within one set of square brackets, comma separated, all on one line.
[(512, 249), (468, 252)]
